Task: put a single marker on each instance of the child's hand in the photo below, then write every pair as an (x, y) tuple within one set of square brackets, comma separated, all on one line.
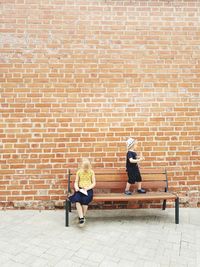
[(77, 189), (141, 158)]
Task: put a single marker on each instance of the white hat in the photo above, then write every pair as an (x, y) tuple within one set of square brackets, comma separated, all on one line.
[(130, 142)]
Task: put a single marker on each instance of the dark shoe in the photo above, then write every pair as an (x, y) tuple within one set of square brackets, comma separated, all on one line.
[(128, 193), (81, 222), (141, 191)]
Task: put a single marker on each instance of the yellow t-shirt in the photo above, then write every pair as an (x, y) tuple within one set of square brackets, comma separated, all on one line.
[(85, 178)]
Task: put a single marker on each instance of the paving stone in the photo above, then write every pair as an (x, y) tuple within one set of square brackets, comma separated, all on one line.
[(108, 263), (22, 257), (66, 263), (4, 257), (13, 264), (127, 262), (96, 257), (83, 253)]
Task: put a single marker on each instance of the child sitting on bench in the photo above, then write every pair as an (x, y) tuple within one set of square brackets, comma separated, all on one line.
[(84, 184)]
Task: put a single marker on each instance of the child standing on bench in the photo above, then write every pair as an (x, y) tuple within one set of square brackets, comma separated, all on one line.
[(132, 168), (84, 184)]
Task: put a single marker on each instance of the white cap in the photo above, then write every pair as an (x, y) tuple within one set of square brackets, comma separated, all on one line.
[(130, 142)]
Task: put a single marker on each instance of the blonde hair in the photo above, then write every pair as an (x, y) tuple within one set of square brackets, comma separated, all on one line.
[(85, 164)]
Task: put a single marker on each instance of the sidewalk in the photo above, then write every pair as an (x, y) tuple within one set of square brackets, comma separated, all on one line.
[(140, 238)]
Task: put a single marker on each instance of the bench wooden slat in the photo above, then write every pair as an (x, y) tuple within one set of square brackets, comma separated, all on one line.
[(113, 185), (154, 177), (123, 177), (122, 197), (102, 172)]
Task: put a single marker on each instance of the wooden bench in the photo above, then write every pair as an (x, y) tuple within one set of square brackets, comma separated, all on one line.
[(110, 184)]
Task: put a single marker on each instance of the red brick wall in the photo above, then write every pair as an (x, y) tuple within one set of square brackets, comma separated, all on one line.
[(78, 77)]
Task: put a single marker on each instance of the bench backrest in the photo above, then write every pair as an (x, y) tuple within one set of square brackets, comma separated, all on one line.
[(112, 180)]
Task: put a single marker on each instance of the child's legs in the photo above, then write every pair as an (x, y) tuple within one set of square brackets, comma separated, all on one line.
[(79, 209), (127, 186), (139, 185), (85, 208)]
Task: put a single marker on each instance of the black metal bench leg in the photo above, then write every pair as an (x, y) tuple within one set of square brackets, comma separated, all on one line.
[(177, 210), (67, 213), (70, 206), (164, 204)]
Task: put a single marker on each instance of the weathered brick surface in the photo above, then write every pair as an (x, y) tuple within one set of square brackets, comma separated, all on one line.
[(78, 77)]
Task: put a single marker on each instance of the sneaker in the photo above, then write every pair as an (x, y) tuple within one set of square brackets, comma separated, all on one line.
[(128, 193), (78, 219), (81, 222), (141, 191)]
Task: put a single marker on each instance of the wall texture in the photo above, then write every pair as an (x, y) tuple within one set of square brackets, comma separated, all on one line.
[(79, 76)]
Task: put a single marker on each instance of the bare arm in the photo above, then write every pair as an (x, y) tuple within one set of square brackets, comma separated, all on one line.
[(136, 160), (93, 182)]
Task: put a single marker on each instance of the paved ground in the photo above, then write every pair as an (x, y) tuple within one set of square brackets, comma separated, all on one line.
[(147, 238)]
